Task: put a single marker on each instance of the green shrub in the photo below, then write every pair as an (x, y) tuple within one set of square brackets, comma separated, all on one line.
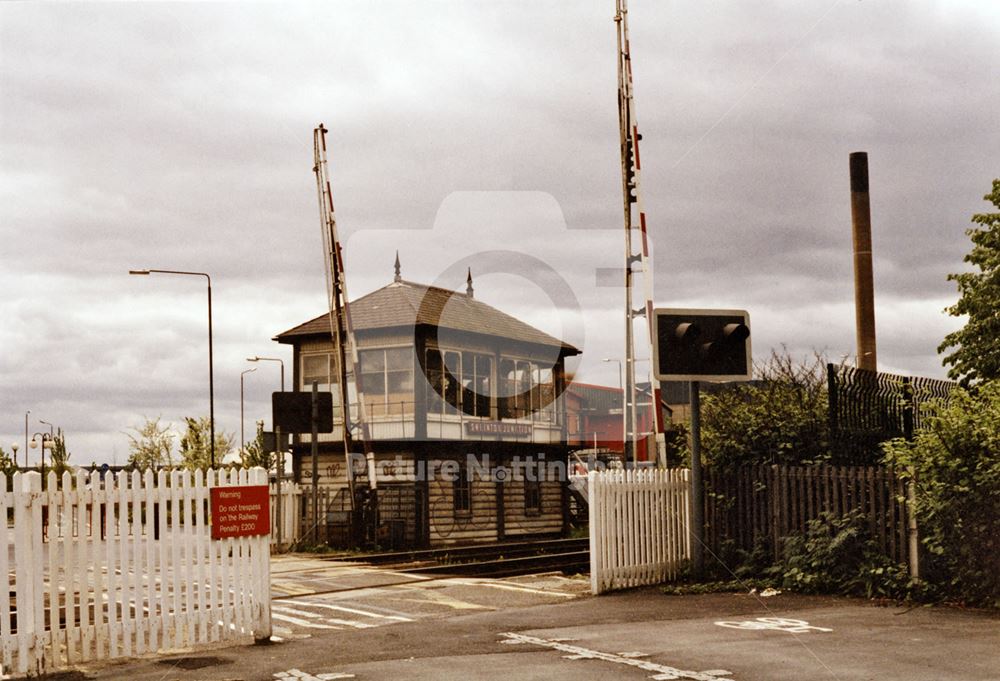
[(838, 555), (956, 461), (781, 417)]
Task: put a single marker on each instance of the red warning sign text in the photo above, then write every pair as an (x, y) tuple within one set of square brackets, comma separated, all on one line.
[(240, 511)]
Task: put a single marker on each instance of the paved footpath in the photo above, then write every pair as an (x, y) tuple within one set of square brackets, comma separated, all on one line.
[(634, 635)]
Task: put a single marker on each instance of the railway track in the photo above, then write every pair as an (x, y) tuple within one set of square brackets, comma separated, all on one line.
[(494, 560), (568, 562)]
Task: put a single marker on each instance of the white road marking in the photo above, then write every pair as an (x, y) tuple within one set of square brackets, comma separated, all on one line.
[(773, 624), (304, 676), (407, 575), (316, 616), (295, 611), (511, 587), (301, 622), (433, 596), (280, 634), (663, 672), (354, 611)]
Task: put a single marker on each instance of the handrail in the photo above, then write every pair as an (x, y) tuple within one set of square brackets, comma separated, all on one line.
[(401, 416)]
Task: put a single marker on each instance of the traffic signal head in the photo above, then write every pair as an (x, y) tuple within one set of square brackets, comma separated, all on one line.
[(701, 345)]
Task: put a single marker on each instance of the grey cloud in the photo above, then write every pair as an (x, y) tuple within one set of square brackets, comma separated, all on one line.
[(178, 136)]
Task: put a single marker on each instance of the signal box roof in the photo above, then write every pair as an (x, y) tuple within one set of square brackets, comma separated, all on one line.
[(406, 304)]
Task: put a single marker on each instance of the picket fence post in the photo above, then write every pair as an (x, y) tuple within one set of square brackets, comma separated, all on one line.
[(593, 528), (261, 569)]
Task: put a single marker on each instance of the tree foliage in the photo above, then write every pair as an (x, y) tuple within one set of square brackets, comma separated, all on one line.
[(975, 353), (956, 461), (151, 446), (59, 456), (781, 417), (7, 464), (254, 455), (195, 450)]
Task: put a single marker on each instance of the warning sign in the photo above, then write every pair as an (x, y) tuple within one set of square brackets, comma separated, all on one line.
[(240, 511)]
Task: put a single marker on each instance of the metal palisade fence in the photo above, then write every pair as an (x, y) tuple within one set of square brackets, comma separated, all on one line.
[(639, 523), (124, 565), (867, 408)]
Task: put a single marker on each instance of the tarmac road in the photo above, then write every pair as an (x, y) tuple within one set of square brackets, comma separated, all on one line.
[(633, 635)]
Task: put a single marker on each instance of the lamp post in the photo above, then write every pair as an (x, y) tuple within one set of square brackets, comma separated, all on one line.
[(242, 439), (211, 371), (46, 441), (52, 438), (624, 421), (26, 438), (279, 456), (272, 359), (15, 447)]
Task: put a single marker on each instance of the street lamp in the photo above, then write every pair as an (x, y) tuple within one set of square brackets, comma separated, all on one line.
[(46, 441), (279, 455), (620, 388), (242, 440), (52, 429), (15, 447), (211, 372), (619, 362), (272, 359)]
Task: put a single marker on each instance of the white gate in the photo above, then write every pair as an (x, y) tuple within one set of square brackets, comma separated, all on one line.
[(123, 566), (638, 527), (291, 512)]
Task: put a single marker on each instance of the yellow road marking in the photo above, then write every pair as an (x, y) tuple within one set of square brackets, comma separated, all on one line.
[(290, 588)]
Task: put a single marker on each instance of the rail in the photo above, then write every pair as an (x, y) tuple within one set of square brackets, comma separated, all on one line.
[(505, 558)]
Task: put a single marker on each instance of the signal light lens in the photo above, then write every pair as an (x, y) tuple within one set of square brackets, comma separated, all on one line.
[(736, 333), (687, 332)]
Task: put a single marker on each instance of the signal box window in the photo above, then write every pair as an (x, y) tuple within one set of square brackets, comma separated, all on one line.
[(462, 492), (533, 490)]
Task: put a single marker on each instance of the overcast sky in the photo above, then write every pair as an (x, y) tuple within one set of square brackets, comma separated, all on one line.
[(179, 136)]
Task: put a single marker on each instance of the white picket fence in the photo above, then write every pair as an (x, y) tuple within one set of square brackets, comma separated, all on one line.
[(291, 510), (124, 566), (638, 527)]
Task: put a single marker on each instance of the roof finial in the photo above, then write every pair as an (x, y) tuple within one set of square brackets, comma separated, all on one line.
[(398, 276), (468, 284)]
